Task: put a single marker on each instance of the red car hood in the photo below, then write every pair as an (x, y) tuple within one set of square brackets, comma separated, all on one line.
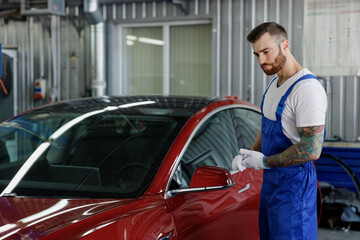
[(34, 217)]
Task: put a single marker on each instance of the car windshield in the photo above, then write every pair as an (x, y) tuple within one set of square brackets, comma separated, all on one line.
[(106, 153)]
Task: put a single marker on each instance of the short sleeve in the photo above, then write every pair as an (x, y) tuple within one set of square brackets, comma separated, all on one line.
[(310, 103)]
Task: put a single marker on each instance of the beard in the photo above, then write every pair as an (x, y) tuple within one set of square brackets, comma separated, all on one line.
[(276, 65)]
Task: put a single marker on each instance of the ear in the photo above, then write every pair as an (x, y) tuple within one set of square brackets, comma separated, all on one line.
[(285, 45)]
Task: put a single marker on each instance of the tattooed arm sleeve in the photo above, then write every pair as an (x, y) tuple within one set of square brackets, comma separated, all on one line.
[(308, 149)]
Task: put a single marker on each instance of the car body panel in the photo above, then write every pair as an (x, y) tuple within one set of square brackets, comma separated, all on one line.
[(223, 214), (37, 217)]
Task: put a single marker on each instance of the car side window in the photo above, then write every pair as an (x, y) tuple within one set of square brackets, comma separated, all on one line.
[(214, 144), (247, 125)]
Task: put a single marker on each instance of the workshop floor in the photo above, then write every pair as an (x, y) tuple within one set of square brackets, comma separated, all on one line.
[(328, 234)]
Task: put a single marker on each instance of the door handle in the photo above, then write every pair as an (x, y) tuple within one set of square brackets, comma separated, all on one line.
[(247, 187)]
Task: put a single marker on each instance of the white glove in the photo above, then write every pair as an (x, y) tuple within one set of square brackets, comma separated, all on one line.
[(237, 162), (253, 160)]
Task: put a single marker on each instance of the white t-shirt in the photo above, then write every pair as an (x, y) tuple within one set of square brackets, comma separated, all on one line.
[(305, 106)]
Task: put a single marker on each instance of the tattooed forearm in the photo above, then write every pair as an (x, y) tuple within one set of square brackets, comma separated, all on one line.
[(308, 149)]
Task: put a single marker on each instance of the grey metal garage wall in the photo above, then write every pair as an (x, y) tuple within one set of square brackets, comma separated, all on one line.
[(55, 48), (235, 71)]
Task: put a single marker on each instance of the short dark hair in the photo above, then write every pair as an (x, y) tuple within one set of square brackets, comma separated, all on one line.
[(274, 29)]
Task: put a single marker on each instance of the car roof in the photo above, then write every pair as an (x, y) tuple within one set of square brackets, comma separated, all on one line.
[(191, 104)]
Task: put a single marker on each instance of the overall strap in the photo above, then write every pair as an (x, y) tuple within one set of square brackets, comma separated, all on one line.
[(262, 101), (281, 105)]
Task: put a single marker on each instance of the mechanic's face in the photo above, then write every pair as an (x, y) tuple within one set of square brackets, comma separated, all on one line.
[(269, 54)]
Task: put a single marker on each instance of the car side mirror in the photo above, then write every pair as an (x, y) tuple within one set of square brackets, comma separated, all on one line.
[(210, 177), (206, 178)]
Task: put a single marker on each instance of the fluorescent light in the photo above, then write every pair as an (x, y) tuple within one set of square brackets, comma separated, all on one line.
[(24, 168), (9, 234), (131, 37), (59, 205), (45, 218), (151, 41), (136, 104), (111, 108), (7, 227), (71, 123), (129, 42), (45, 145), (97, 228)]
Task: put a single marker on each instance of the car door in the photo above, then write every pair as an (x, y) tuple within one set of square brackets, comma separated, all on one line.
[(231, 213)]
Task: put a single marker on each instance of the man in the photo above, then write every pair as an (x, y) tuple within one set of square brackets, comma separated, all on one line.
[(292, 134)]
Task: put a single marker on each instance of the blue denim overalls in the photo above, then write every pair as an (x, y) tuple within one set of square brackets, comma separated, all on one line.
[(288, 195)]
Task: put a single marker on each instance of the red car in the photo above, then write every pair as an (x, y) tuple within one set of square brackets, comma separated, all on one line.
[(129, 168)]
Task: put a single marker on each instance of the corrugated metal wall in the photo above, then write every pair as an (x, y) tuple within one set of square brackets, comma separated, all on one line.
[(235, 70), (53, 47)]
